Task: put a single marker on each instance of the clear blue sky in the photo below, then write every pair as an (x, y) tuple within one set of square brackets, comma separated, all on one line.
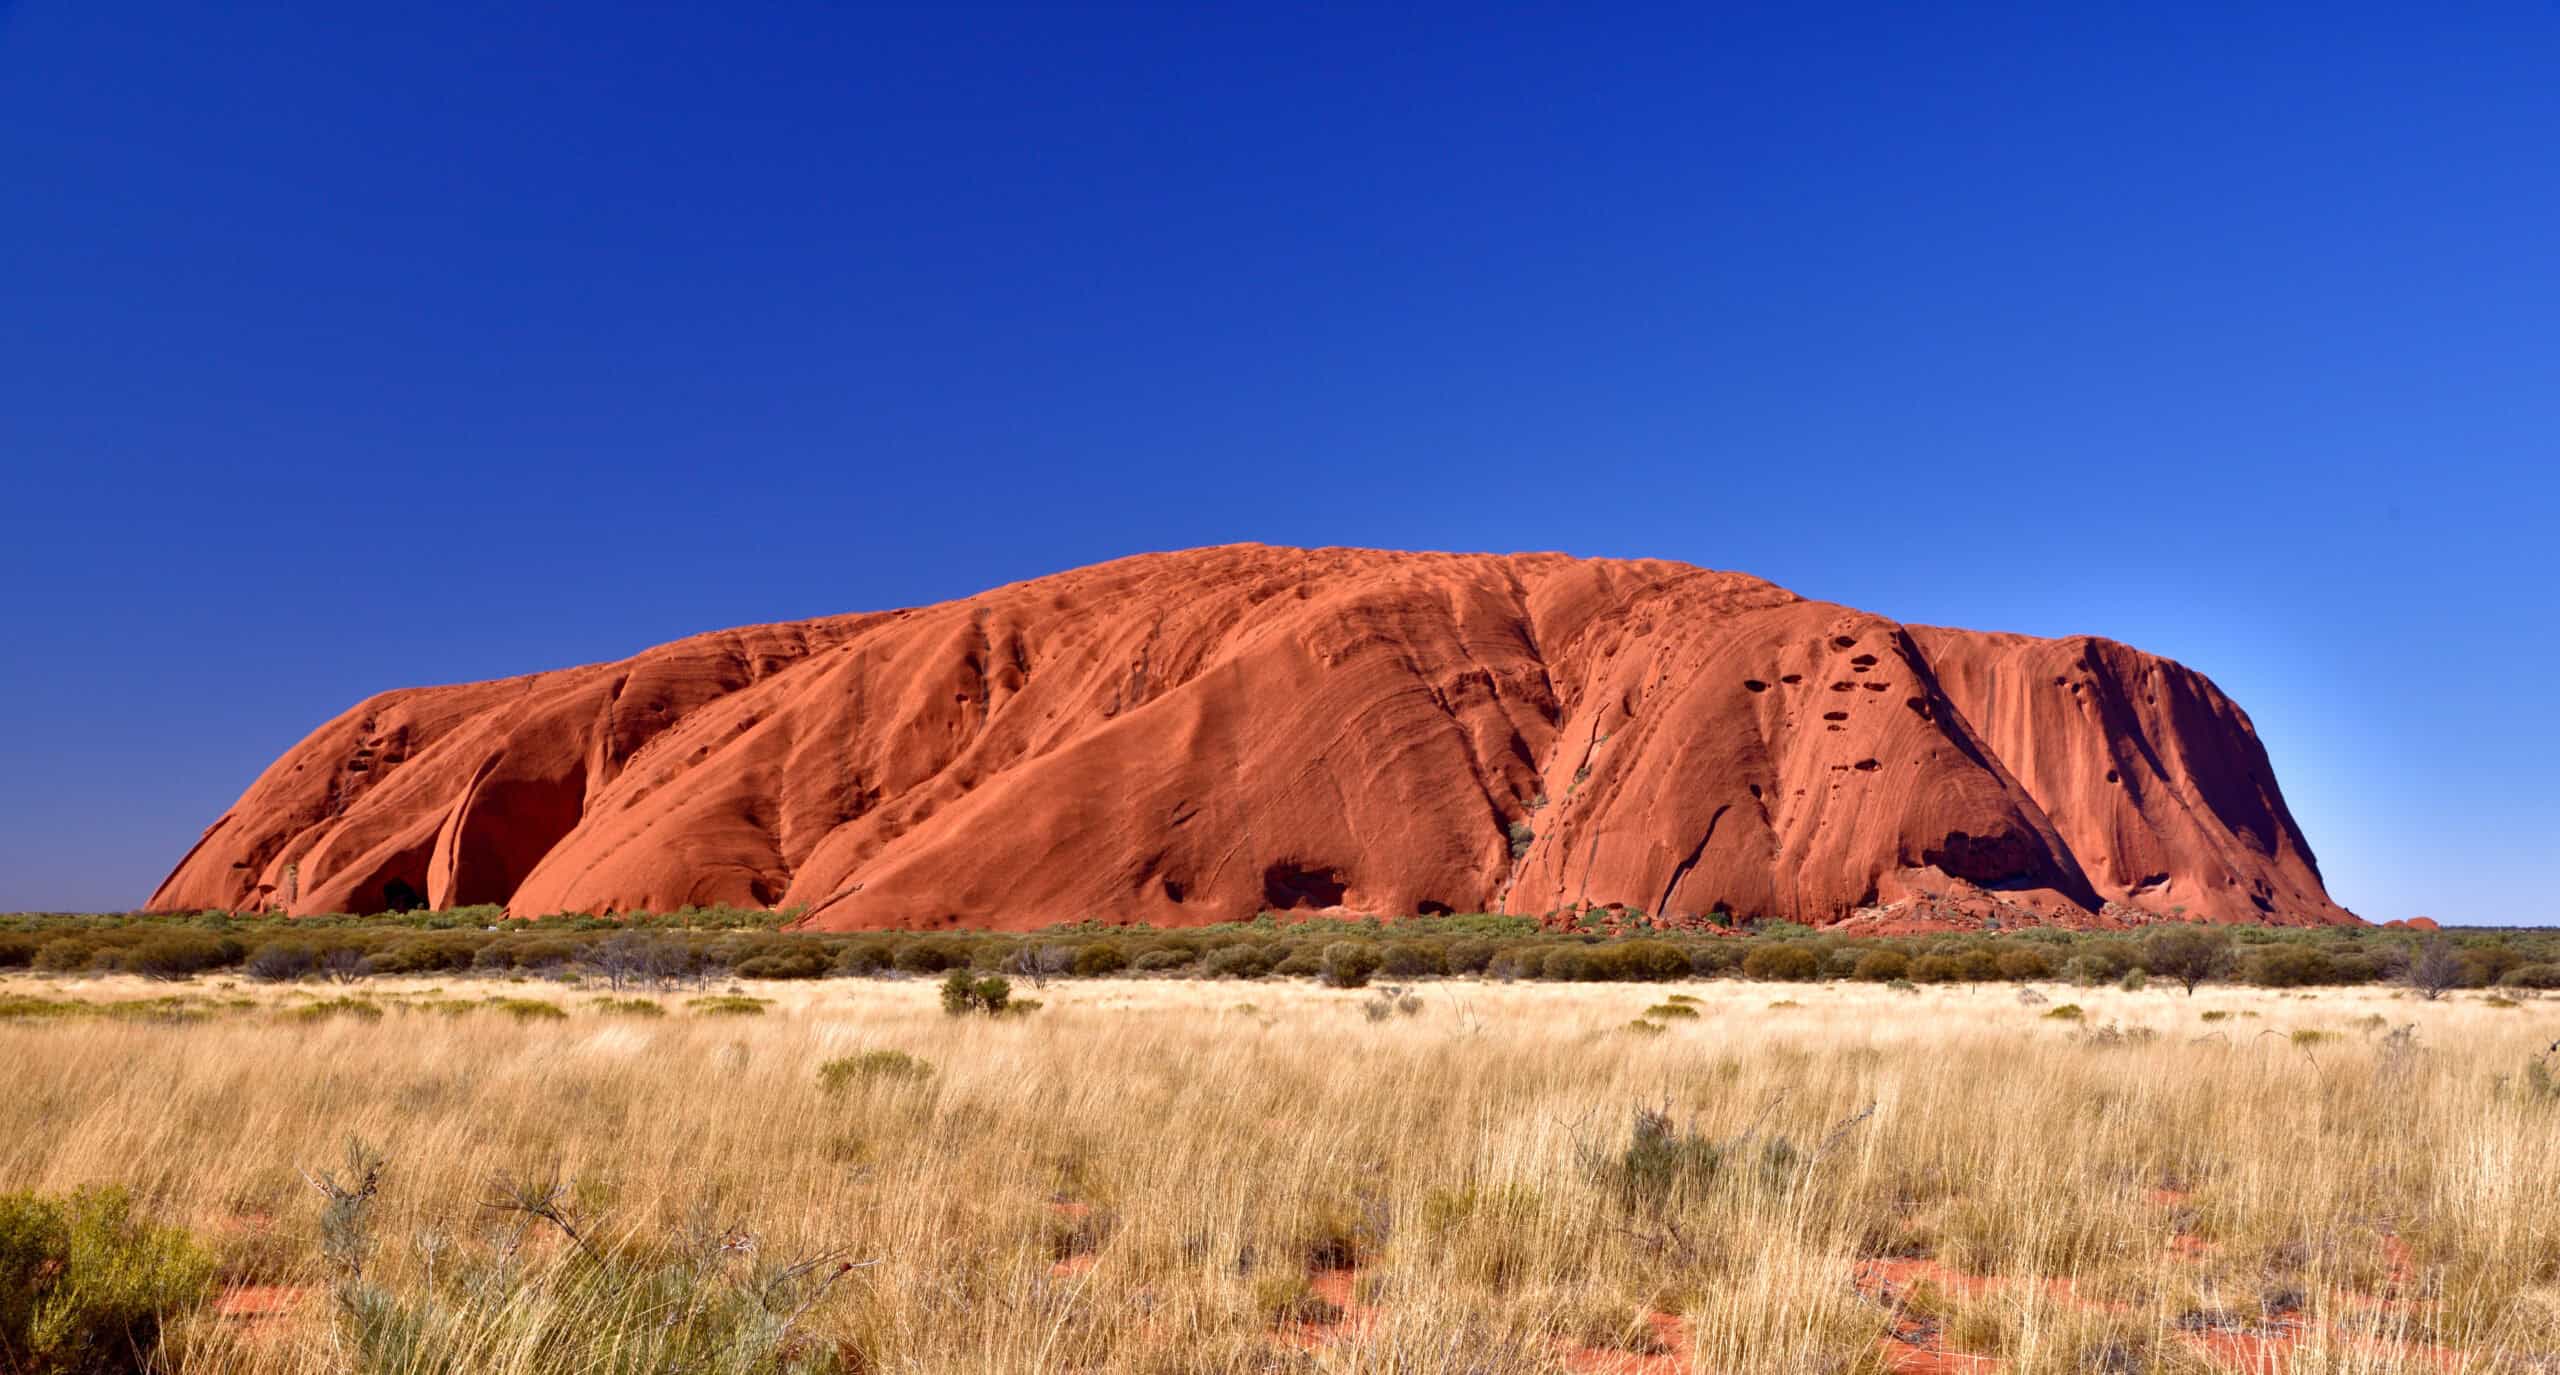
[(345, 347)]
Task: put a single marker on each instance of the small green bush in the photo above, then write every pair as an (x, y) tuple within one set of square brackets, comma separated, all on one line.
[(2287, 966), (2099, 962), (1672, 1011), (2067, 1012), (930, 956), (1158, 961), (2190, 955), (426, 955), (1882, 966), (1348, 964), (1662, 1162), (1785, 962), (1566, 963), (362, 1009), (531, 1009), (180, 956), (2022, 964), (730, 1005), (63, 955), (1708, 959), (866, 957), (628, 1007), (85, 1288), (807, 962), (838, 1075), (1299, 960), (1095, 959), (1645, 961), (964, 995), (1411, 959), (1935, 969), (281, 962), (1242, 961)]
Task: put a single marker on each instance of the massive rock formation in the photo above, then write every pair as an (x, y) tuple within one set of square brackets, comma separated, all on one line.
[(1195, 737)]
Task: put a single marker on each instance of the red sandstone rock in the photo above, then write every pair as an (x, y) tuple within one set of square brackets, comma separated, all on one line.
[(1194, 737)]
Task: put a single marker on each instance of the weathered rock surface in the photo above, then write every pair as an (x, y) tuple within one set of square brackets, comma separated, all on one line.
[(1194, 737)]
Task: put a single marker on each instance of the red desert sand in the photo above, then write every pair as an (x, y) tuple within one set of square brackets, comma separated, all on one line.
[(1195, 737)]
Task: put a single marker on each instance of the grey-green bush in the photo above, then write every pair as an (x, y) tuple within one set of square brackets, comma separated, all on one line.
[(1348, 964)]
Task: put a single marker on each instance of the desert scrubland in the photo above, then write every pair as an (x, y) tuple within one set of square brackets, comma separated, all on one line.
[(1176, 1175)]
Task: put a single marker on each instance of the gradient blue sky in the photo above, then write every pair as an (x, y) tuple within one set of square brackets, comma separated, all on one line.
[(351, 347)]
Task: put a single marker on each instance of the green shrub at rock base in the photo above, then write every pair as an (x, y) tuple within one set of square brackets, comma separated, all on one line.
[(1784, 962), (1098, 958), (810, 962), (63, 955), (1237, 962), (1882, 966), (1348, 964)]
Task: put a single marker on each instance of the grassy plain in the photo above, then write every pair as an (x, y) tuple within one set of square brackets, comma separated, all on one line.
[(1196, 1176)]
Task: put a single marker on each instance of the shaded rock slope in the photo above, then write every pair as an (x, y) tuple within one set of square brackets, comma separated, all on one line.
[(1194, 737)]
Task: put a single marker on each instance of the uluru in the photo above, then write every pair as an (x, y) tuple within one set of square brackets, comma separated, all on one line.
[(1195, 737)]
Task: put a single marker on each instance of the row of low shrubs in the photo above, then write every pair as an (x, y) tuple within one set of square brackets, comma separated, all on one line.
[(1339, 952)]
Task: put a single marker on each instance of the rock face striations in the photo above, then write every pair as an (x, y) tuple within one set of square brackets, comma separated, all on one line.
[(1195, 737)]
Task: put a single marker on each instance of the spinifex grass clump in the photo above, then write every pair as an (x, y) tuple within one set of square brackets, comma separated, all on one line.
[(708, 1298), (891, 1066), (1663, 1162)]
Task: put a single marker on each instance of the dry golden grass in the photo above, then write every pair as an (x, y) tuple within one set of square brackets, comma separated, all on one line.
[(1158, 1176)]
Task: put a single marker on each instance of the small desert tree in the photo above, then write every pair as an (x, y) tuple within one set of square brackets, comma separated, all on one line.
[(2189, 954), (2435, 967), (1039, 963)]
